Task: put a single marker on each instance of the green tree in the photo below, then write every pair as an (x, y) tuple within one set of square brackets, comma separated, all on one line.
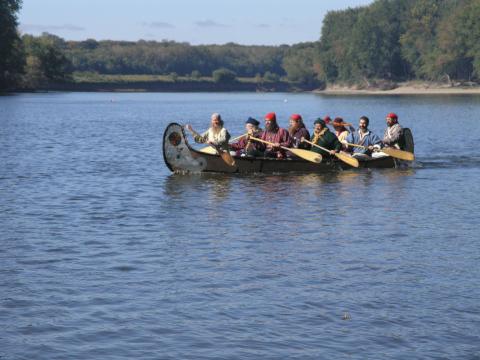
[(299, 64), (224, 76), (11, 54), (46, 59), (195, 74), (271, 77)]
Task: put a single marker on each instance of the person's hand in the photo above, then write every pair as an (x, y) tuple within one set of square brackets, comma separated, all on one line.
[(277, 145), (302, 139), (333, 152), (370, 147)]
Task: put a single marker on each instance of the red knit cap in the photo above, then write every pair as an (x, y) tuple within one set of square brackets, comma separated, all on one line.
[(271, 116), (392, 116), (327, 119), (296, 117)]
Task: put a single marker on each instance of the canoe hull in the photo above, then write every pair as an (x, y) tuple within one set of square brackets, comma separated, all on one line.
[(180, 157)]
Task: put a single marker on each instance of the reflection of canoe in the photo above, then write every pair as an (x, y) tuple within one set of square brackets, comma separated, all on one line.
[(181, 157)]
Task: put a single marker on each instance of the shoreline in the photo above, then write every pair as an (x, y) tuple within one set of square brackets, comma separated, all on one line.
[(332, 90), (405, 89)]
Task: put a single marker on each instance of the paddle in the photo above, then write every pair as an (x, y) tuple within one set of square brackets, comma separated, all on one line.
[(396, 153), (304, 154), (225, 155), (343, 157), (212, 151)]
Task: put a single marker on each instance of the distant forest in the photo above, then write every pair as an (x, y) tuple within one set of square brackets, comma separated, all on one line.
[(387, 41)]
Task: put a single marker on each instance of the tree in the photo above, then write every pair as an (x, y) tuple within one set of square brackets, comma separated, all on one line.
[(195, 75), (47, 60), (299, 64), (224, 76), (11, 54)]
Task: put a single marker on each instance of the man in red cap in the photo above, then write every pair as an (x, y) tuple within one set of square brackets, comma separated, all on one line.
[(393, 135), (297, 131), (276, 135)]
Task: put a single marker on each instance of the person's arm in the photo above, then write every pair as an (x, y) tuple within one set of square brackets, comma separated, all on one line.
[(285, 139), (239, 145), (337, 145), (198, 138), (201, 138), (375, 142)]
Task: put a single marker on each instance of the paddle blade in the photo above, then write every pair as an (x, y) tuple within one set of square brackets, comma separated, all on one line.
[(208, 150), (399, 154), (307, 155), (350, 160), (227, 158)]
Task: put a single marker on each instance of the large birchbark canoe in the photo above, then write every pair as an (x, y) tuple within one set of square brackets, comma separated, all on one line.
[(180, 157)]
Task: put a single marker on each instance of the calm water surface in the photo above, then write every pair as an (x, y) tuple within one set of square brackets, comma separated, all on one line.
[(104, 254)]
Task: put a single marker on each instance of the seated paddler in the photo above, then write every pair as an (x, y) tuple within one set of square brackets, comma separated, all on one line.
[(342, 129), (367, 140), (216, 135), (297, 131), (275, 135), (323, 137), (245, 146), (393, 135)]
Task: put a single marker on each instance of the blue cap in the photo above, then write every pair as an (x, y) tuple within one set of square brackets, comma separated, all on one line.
[(252, 121)]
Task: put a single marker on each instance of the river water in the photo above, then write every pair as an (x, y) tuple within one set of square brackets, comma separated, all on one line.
[(104, 254)]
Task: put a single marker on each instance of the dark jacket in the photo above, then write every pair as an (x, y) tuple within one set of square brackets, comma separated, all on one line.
[(326, 139), (297, 138), (248, 147)]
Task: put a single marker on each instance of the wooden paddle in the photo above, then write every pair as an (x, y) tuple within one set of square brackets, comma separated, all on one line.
[(212, 151), (225, 155), (304, 154), (396, 153), (343, 157)]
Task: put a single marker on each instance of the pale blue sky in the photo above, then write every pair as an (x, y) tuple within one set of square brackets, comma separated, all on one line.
[(251, 22)]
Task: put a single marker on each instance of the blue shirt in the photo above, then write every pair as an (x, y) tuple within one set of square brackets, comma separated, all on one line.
[(368, 139)]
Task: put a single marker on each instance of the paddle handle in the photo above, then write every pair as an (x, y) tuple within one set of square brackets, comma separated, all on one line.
[(318, 146), (238, 137), (267, 142), (356, 145)]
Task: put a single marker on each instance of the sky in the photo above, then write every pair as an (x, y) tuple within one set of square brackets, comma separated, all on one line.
[(247, 22)]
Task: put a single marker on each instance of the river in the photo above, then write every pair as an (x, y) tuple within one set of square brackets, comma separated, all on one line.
[(107, 255)]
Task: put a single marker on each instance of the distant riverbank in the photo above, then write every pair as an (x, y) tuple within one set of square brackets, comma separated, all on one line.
[(154, 83), (406, 88), (93, 82)]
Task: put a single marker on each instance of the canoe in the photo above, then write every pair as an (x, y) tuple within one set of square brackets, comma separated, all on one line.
[(180, 157)]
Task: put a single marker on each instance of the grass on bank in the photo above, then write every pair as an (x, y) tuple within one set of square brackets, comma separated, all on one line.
[(92, 77)]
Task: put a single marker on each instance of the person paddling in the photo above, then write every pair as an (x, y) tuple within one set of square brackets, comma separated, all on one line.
[(245, 146), (341, 130), (323, 137), (364, 137), (297, 131), (276, 135), (393, 135), (216, 135)]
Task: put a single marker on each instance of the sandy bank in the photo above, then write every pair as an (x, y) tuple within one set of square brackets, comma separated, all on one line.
[(405, 89)]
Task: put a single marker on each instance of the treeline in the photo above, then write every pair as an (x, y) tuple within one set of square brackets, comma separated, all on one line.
[(390, 40), (401, 40)]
